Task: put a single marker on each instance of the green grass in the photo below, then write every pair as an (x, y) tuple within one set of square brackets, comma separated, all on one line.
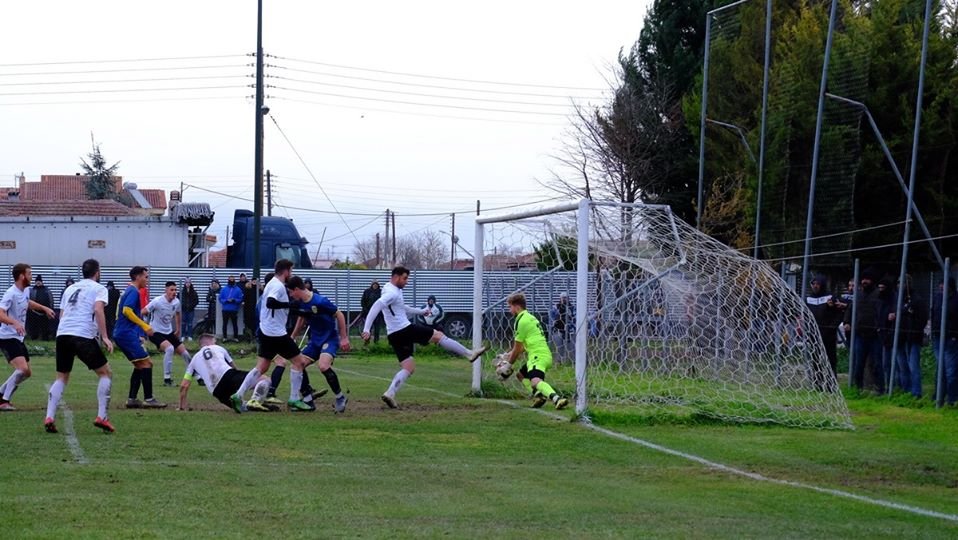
[(447, 465)]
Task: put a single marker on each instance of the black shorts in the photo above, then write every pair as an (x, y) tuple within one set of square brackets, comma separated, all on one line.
[(228, 386), (14, 348), (158, 338), (403, 340), (271, 346), (87, 349)]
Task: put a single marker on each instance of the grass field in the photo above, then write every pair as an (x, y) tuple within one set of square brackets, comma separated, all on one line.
[(446, 465)]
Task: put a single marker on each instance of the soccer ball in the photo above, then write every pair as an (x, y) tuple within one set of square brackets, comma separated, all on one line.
[(503, 369)]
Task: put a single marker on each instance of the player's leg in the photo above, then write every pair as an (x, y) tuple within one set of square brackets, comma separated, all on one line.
[(276, 378), (455, 347), (326, 368), (523, 376), (407, 368), (262, 366), (537, 374), (145, 365), (64, 360), (90, 353), (21, 372), (168, 350), (297, 365)]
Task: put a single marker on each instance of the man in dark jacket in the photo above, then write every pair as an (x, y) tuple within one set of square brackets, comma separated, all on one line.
[(211, 297), (38, 327), (189, 299), (370, 296), (914, 317), (828, 311), (868, 347), (112, 302), (250, 296)]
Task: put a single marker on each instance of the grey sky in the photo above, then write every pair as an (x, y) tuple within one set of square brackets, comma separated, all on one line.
[(369, 154)]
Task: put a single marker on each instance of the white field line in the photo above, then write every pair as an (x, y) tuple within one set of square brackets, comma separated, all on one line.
[(702, 461), (70, 434)]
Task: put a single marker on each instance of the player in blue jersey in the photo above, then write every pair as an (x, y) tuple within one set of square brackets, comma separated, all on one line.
[(126, 335), (327, 332)]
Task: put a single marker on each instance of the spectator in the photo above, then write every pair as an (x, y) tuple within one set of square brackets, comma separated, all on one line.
[(309, 284), (867, 341), (231, 299), (434, 319), (113, 301), (888, 296), (562, 323), (38, 326), (370, 296), (914, 317), (211, 296), (189, 299), (951, 338), (250, 295), (828, 312)]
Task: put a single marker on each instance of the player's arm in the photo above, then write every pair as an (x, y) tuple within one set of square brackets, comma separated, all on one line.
[(343, 331), (374, 312), (517, 349), (98, 314), (40, 307), (184, 390), (131, 315), (275, 303), (8, 320), (298, 327)]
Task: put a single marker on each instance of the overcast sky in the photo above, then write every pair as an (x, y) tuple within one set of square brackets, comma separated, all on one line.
[(358, 128)]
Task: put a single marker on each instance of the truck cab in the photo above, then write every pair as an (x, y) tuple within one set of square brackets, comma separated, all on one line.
[(279, 239)]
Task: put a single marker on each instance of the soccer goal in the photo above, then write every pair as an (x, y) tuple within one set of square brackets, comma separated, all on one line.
[(647, 316)]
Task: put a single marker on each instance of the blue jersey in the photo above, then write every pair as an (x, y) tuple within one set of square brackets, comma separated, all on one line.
[(124, 326), (320, 315)]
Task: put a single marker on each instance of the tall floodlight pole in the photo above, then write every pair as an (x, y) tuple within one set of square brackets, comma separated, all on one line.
[(911, 194), (258, 160), (761, 130), (818, 143), (705, 96)]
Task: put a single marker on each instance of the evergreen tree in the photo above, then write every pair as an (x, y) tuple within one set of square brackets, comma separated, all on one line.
[(100, 177)]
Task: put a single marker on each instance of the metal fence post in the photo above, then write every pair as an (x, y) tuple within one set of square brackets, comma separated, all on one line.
[(854, 325), (942, 337)]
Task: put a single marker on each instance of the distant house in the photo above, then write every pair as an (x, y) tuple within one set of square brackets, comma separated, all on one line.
[(61, 188)]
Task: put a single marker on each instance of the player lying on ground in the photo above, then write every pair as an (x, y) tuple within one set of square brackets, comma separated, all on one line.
[(214, 365), (327, 333), (530, 339), (403, 335), (13, 318)]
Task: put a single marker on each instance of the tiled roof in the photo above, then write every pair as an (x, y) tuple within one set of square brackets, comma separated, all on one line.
[(156, 197), (218, 259), (65, 208), (59, 187)]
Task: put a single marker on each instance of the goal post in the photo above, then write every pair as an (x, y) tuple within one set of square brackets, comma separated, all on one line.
[(644, 315)]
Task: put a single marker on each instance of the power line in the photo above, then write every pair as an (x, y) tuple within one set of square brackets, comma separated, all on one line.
[(61, 63), (843, 233), (120, 101), (122, 70), (60, 92), (404, 189), (104, 81), (419, 104), (406, 74), (426, 85), (868, 248)]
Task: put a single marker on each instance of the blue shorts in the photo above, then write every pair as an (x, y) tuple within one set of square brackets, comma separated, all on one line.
[(313, 349), (131, 346)]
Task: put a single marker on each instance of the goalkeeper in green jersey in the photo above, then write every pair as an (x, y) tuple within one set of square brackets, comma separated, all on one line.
[(530, 339)]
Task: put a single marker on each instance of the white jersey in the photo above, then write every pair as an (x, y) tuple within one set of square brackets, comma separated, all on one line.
[(395, 311), (15, 303), (79, 300), (163, 313), (272, 322), (210, 364)]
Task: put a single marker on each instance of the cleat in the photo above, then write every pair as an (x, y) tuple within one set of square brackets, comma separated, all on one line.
[(237, 401), (390, 401), (320, 393), (134, 404), (49, 426), (7, 406), (477, 353), (340, 405), (297, 405), (270, 407), (167, 382), (561, 403), (104, 424), (273, 400), (152, 403), (253, 405), (538, 400)]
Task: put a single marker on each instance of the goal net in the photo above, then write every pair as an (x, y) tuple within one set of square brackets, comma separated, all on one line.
[(647, 316)]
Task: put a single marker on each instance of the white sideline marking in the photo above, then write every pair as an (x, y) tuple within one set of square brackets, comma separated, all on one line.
[(70, 434), (708, 463)]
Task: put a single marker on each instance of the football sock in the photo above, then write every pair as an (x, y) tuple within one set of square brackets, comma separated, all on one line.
[(528, 384), (56, 392), (135, 383), (187, 358), (260, 390), (10, 386), (250, 380), (168, 363), (275, 379), (295, 384), (146, 377), (546, 390), (454, 347), (333, 381), (103, 396), (398, 379), (306, 389)]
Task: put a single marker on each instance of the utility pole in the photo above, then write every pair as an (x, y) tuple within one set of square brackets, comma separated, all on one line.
[(452, 250), (394, 238), (269, 193), (258, 160), (378, 265), (386, 242)]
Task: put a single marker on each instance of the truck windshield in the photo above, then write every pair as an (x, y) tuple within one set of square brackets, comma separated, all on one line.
[(287, 252)]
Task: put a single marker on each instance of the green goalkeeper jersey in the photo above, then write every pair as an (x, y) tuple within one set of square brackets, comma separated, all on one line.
[(529, 333)]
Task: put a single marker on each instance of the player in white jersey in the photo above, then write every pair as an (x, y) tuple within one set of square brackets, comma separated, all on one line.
[(214, 365), (165, 321), (275, 341), (81, 319), (13, 316), (402, 334)]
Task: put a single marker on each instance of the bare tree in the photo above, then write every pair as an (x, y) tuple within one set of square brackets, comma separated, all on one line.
[(425, 250)]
